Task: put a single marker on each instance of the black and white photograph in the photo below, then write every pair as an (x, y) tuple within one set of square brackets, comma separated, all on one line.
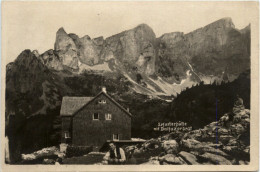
[(130, 84)]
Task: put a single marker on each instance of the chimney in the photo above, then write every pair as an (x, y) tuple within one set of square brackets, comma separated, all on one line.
[(104, 89)]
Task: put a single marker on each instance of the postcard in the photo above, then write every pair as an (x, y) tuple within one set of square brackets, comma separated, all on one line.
[(129, 86)]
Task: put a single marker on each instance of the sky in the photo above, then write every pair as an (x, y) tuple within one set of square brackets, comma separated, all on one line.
[(33, 25)]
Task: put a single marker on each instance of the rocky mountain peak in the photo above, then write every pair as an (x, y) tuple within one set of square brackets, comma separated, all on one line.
[(177, 58), (246, 29), (99, 40), (171, 56), (63, 41), (36, 53), (26, 59), (219, 27), (61, 31), (86, 37), (227, 22), (144, 26), (146, 31), (171, 38), (25, 70), (66, 49)]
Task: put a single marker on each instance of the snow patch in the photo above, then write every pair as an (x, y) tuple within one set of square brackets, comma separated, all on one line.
[(185, 83), (129, 78), (151, 87), (193, 70), (135, 84), (142, 90), (164, 86)]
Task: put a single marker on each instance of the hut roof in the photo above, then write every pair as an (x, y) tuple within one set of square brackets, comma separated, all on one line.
[(121, 107), (70, 105)]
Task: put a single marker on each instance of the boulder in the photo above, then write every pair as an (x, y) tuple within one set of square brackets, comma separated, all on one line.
[(189, 158), (48, 161), (244, 114), (180, 161), (214, 151), (152, 162), (190, 143), (225, 138), (238, 105), (235, 152), (171, 159), (194, 145), (215, 159), (223, 131), (170, 146), (45, 152), (45, 156), (232, 142), (237, 129), (28, 157), (224, 118), (218, 145)]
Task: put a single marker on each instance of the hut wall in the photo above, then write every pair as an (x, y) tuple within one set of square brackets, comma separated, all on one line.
[(66, 127), (89, 132)]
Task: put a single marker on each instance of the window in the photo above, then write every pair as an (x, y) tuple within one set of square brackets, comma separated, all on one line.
[(95, 116), (67, 135), (108, 116), (102, 102), (115, 136)]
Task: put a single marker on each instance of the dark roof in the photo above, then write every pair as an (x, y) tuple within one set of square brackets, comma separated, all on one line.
[(71, 105)]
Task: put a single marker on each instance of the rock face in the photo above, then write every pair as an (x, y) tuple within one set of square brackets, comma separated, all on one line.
[(159, 66), (222, 142), (135, 49), (215, 159), (88, 51), (18, 72), (132, 49), (216, 46), (66, 49), (45, 156), (51, 60), (216, 52)]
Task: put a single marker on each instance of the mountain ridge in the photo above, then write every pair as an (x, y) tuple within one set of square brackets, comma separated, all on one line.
[(162, 65)]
